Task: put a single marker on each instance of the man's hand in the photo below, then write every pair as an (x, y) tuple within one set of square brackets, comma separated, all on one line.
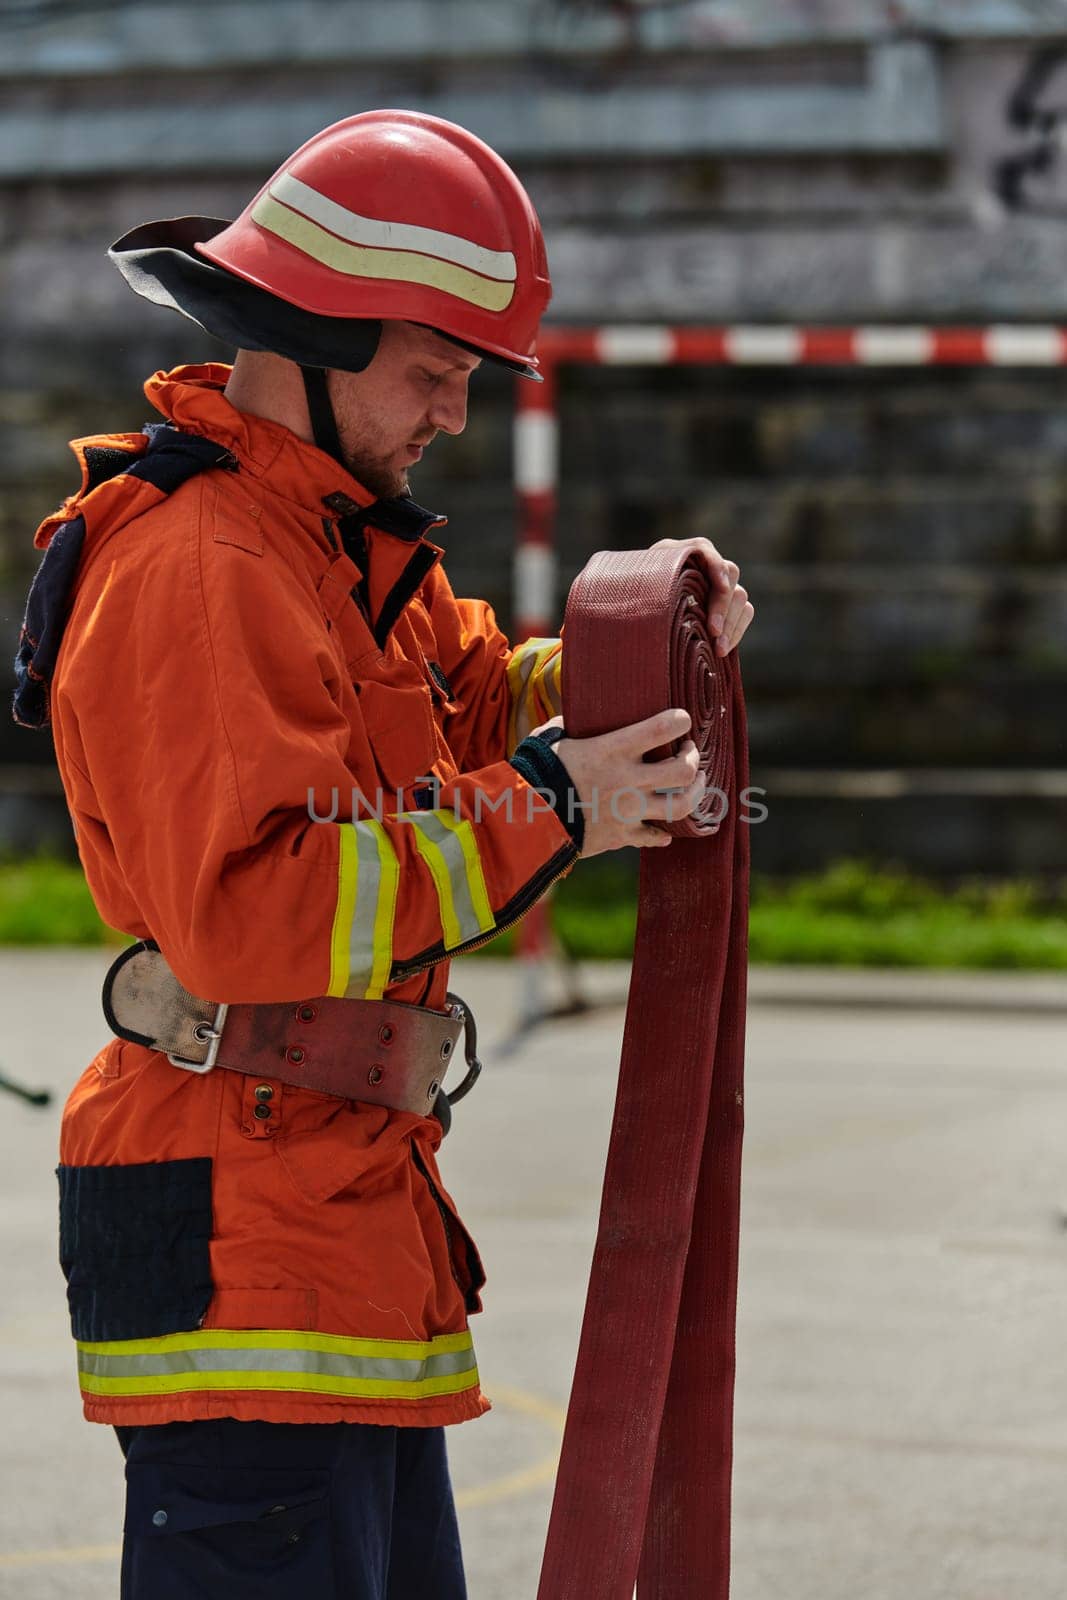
[(730, 610), (623, 794)]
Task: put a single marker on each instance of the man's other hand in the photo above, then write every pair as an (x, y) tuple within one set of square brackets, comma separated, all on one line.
[(729, 609)]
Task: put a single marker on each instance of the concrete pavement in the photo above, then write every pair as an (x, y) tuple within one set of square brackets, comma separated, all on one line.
[(902, 1391)]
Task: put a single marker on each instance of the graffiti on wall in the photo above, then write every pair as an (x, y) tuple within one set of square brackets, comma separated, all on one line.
[(1033, 176)]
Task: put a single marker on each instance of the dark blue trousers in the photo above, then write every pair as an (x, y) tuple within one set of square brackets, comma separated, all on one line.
[(227, 1510)]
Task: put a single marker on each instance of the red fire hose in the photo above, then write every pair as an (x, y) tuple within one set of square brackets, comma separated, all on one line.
[(643, 1489)]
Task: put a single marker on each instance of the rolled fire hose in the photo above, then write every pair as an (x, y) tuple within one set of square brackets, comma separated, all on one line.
[(643, 1488)]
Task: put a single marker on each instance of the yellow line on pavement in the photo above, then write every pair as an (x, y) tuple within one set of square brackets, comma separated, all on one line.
[(514, 1483), (531, 1405), (542, 1472), (74, 1553)]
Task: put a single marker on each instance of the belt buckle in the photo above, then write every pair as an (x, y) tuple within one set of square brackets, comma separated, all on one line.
[(461, 1012), (204, 1033)]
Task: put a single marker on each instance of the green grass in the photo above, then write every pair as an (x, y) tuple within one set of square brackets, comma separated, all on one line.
[(857, 914), (853, 914), (45, 901)]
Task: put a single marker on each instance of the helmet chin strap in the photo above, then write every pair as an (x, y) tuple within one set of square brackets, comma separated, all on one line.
[(320, 410)]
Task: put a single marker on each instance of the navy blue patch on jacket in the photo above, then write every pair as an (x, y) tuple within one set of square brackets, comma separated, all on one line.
[(169, 458), (133, 1245)]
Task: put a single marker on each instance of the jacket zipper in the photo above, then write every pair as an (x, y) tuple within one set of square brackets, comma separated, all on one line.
[(537, 886)]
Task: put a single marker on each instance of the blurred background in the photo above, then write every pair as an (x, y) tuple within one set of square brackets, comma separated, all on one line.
[(903, 530)]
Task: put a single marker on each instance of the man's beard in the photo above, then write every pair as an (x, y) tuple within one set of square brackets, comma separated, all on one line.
[(375, 474)]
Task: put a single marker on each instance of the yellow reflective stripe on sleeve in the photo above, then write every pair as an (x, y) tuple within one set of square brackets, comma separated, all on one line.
[(450, 851), (370, 942), (464, 832), (551, 686), (524, 671), (426, 842), (346, 905), (278, 1359)]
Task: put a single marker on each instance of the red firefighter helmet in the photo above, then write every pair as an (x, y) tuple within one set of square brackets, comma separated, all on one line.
[(398, 215), (386, 215)]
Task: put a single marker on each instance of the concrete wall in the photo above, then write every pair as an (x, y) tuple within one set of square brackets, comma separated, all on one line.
[(905, 534)]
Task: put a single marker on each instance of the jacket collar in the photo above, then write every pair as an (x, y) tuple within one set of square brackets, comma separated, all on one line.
[(400, 516), (192, 397)]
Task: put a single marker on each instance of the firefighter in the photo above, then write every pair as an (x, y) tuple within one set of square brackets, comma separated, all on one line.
[(302, 775)]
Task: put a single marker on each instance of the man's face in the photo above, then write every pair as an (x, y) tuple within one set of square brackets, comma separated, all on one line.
[(415, 388)]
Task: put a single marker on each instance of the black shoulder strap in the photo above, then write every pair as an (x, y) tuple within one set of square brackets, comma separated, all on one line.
[(168, 460)]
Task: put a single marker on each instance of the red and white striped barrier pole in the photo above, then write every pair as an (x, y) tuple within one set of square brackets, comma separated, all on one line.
[(742, 345), (534, 604)]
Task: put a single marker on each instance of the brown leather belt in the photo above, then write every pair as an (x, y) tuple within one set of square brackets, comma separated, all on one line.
[(380, 1051)]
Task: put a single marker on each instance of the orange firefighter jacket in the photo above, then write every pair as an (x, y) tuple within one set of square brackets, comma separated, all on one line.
[(240, 752)]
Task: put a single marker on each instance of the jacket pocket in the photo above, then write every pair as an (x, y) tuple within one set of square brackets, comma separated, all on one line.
[(400, 728), (468, 1261), (235, 1531), (134, 1247), (467, 1269)]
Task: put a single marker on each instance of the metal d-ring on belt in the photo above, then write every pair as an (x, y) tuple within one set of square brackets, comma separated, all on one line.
[(381, 1051), (643, 1489)]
